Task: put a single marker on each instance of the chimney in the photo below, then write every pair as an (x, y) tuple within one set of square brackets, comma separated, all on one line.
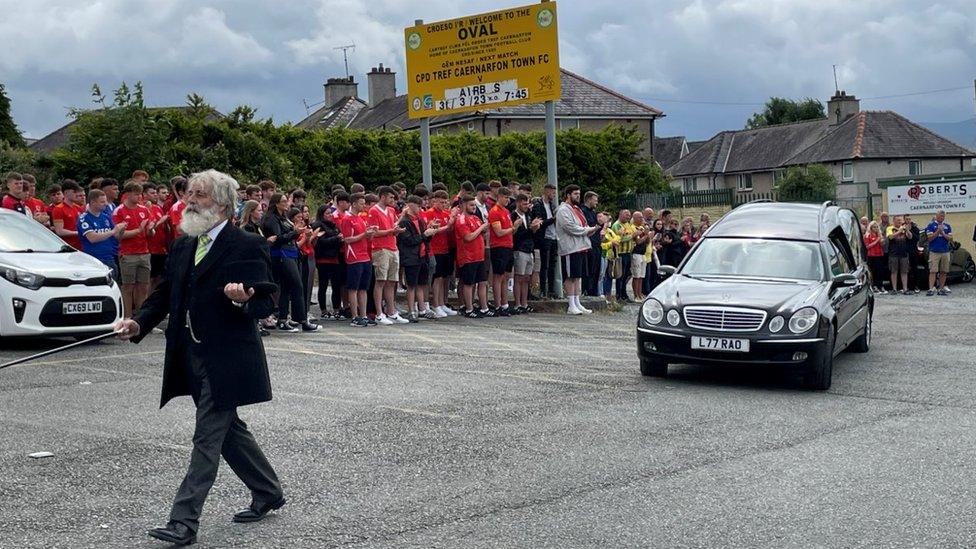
[(841, 107), (338, 88), (382, 84)]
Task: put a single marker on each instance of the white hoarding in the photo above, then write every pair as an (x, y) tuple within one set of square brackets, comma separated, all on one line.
[(951, 196)]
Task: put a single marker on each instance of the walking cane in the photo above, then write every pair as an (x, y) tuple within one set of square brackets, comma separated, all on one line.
[(59, 349)]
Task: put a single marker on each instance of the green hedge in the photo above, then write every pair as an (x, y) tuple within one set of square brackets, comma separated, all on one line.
[(126, 136)]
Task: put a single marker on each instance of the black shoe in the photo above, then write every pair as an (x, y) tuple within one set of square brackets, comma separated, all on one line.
[(285, 327), (175, 533), (327, 316), (263, 332), (371, 322), (503, 312), (293, 324), (486, 313), (254, 514), (309, 327), (471, 314)]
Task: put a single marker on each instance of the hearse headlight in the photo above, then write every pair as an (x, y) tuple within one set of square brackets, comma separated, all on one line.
[(673, 317), (803, 320), (776, 324), (26, 279), (652, 311)]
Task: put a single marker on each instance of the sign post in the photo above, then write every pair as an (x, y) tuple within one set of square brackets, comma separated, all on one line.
[(425, 142)]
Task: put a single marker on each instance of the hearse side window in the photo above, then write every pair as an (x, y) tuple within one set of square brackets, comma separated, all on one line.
[(839, 262), (852, 229)]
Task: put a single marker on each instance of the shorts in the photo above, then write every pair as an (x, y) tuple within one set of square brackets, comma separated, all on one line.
[(502, 260), (416, 275), (898, 265), (134, 269), (444, 265), (386, 265), (524, 263), (939, 262), (473, 273), (359, 276), (157, 265), (638, 266), (574, 265)]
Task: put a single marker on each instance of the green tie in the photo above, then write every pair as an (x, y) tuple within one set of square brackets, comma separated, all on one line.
[(202, 242)]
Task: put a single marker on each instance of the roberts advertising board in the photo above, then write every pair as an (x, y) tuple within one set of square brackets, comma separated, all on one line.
[(487, 61), (951, 196)]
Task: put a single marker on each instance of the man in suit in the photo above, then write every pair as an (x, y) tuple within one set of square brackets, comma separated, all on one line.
[(215, 286)]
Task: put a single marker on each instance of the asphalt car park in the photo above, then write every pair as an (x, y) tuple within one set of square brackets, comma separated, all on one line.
[(534, 431)]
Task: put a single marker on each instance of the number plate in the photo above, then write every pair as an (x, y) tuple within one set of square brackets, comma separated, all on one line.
[(81, 307), (720, 344)]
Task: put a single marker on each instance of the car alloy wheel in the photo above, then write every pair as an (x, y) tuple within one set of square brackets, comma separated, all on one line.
[(969, 274)]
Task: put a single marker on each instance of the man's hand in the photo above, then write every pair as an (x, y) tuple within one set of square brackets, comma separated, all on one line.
[(235, 292), (127, 329)]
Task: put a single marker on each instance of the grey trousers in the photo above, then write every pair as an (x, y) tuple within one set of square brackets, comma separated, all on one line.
[(220, 433)]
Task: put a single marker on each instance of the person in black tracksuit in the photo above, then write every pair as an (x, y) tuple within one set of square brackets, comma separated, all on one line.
[(545, 240), (327, 261), (592, 279), (281, 235)]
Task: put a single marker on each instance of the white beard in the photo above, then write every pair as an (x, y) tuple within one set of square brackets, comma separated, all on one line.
[(195, 223)]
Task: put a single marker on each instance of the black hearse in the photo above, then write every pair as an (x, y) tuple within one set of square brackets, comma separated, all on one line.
[(770, 283)]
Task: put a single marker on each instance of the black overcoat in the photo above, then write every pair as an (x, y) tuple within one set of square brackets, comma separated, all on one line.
[(230, 346)]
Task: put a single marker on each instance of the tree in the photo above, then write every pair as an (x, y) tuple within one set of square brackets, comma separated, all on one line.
[(8, 129), (807, 184), (779, 110)]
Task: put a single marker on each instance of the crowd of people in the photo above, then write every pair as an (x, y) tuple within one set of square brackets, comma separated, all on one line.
[(366, 248), (896, 246)]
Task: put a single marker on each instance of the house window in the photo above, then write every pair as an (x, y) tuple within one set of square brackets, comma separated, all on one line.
[(914, 167), (847, 173), (569, 123), (701, 183), (744, 182), (689, 184)]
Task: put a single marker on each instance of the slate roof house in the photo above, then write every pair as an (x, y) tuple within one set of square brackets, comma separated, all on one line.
[(668, 150), (584, 104), (858, 147)]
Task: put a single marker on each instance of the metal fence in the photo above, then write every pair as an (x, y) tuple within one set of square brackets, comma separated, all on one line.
[(712, 198)]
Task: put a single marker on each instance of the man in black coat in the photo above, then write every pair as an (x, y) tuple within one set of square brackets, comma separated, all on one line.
[(590, 201), (216, 285), (545, 240)]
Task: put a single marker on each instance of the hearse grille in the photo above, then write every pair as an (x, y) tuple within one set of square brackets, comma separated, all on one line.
[(724, 319)]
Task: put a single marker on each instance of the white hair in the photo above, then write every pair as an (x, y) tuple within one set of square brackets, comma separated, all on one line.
[(222, 187)]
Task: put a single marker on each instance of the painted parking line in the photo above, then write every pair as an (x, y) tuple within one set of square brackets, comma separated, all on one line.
[(410, 411)]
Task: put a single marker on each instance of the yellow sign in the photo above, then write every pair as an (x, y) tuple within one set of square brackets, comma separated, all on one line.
[(487, 61)]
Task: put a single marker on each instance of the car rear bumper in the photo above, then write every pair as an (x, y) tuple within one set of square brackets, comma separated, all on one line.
[(25, 313), (676, 348)]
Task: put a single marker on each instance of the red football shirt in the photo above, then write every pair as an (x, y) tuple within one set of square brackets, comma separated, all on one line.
[(473, 251), (175, 216), (384, 221), (160, 240), (133, 217), (440, 243), (503, 216), (36, 205), (357, 252), (68, 214)]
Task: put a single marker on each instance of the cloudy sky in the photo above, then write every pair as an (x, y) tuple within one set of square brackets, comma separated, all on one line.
[(706, 63)]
